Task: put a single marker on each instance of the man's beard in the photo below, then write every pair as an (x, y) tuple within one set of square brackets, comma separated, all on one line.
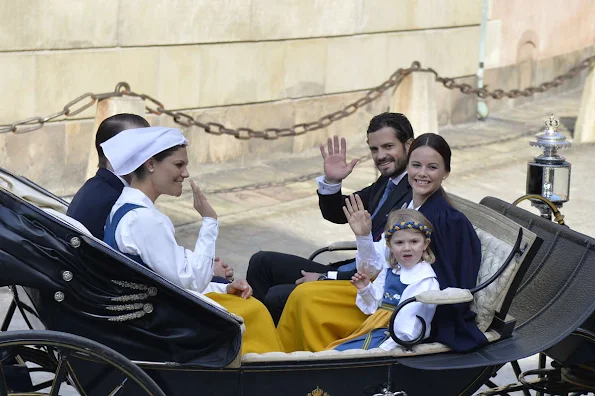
[(399, 166)]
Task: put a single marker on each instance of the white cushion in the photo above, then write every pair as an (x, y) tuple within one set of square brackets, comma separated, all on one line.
[(421, 349), (493, 254)]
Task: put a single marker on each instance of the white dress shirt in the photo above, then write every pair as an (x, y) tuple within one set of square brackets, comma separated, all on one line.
[(148, 233)]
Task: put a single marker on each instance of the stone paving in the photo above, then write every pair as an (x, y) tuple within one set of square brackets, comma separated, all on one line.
[(489, 158)]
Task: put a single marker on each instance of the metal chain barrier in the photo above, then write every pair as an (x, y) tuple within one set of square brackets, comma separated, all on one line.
[(483, 93), (154, 106)]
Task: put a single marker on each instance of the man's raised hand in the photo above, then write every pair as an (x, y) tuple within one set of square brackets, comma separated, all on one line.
[(336, 167), (358, 217)]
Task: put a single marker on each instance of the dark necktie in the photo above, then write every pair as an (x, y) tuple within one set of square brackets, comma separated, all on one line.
[(390, 186)]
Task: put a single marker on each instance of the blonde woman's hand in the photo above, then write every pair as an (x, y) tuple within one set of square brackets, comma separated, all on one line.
[(201, 204), (358, 217), (240, 288), (360, 280)]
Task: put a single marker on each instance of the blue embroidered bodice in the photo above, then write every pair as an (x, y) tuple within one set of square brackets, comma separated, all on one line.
[(393, 289)]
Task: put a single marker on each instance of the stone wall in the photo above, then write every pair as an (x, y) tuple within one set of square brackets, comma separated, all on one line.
[(254, 63)]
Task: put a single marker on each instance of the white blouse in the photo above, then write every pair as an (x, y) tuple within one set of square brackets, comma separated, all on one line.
[(371, 256), (419, 278), (150, 234)]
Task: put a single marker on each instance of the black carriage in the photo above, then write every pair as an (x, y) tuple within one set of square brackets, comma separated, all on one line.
[(104, 325)]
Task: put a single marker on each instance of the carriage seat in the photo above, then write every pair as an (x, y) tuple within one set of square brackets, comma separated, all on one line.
[(497, 235)]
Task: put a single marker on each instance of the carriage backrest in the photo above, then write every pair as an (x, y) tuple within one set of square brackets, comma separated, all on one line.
[(31, 192), (497, 235), (557, 277)]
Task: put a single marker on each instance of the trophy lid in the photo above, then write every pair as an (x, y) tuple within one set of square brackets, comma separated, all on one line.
[(550, 138)]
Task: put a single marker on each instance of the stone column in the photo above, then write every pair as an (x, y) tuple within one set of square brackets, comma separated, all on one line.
[(584, 131), (416, 98), (107, 108)]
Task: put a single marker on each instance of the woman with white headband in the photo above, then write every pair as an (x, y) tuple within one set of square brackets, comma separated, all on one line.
[(156, 159)]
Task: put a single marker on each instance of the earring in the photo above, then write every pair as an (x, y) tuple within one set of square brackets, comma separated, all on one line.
[(150, 170)]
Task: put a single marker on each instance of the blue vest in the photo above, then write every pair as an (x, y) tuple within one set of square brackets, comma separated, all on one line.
[(109, 235), (393, 289)]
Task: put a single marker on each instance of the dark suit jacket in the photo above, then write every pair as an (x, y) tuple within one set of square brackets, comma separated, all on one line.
[(92, 203), (331, 207)]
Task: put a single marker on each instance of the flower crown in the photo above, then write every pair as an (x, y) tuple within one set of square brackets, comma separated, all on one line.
[(408, 225)]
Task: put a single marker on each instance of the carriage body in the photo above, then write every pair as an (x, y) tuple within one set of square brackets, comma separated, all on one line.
[(67, 281)]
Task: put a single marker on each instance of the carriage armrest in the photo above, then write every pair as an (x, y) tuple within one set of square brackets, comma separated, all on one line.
[(450, 295), (340, 245)]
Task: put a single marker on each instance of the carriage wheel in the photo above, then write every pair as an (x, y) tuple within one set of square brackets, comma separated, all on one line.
[(68, 358)]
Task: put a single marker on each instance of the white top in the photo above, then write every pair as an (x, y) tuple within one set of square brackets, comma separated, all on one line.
[(419, 278), (150, 234)]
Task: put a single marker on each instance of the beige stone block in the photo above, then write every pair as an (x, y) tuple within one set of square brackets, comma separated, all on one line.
[(62, 77), (585, 123), (162, 22), (51, 24), (179, 71), (416, 98), (77, 152), (16, 15), (55, 156), (18, 87), (406, 47), (241, 73), (382, 15), (355, 63), (305, 68), (75, 24), (301, 19), (38, 156), (493, 44), (454, 52)]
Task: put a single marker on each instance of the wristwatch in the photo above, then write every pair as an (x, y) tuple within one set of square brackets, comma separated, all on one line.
[(323, 277)]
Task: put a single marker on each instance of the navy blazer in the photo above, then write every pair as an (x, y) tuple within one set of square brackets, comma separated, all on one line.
[(92, 204), (458, 257)]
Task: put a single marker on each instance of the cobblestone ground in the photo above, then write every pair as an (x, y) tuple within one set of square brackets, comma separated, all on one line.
[(489, 158)]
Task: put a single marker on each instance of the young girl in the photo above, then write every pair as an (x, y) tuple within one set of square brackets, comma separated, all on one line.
[(407, 273)]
